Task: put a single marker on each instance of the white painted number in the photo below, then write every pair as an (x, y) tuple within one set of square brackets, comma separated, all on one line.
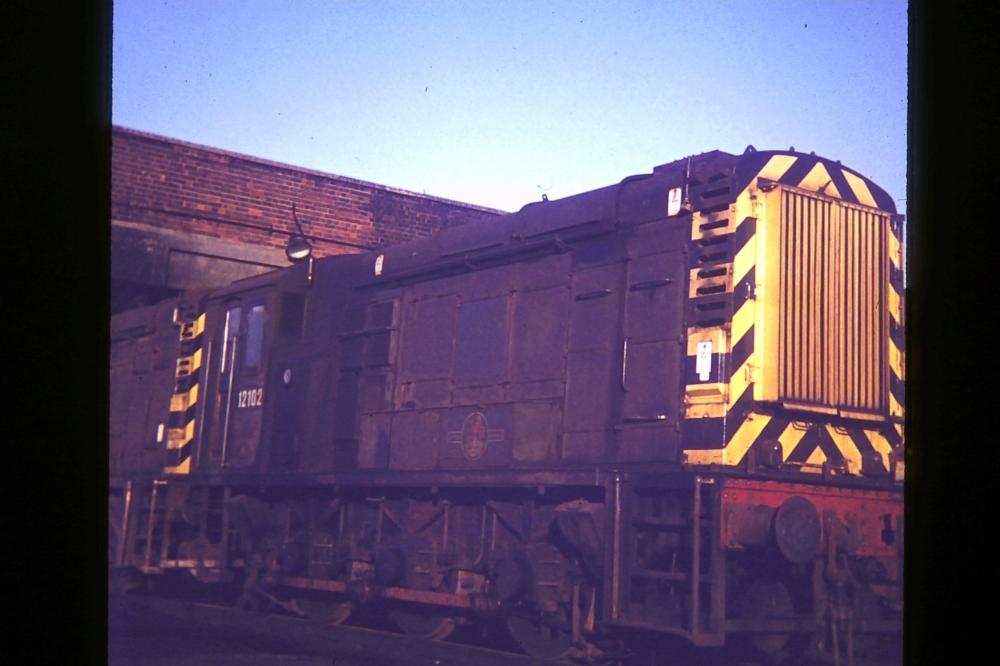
[(251, 398)]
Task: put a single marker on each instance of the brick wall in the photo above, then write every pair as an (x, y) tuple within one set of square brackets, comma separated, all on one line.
[(170, 184)]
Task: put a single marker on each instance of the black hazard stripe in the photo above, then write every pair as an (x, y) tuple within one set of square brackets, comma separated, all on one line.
[(896, 277), (177, 456), (799, 170), (840, 182), (704, 433), (179, 418), (738, 413), (816, 437), (891, 435), (718, 368), (861, 441), (805, 447), (897, 388), (771, 432), (744, 232), (187, 382), (828, 446), (716, 432), (741, 351), (897, 333)]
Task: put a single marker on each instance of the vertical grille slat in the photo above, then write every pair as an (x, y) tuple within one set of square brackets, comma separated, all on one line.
[(833, 329)]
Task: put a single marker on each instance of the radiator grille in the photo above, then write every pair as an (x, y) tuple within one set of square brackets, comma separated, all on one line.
[(833, 267)]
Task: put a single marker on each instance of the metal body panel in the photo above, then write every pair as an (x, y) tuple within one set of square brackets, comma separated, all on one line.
[(143, 355)]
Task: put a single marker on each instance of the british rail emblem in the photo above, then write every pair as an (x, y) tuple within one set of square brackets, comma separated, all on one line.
[(475, 436)]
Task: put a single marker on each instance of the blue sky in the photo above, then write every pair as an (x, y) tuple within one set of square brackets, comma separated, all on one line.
[(496, 103)]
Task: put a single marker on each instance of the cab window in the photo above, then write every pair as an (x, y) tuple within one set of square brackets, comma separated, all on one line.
[(255, 337)]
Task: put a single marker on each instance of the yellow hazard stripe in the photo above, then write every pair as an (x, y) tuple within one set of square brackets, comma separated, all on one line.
[(776, 167), (178, 437), (880, 444), (895, 251), (698, 219), (745, 259), (181, 402), (789, 439), (895, 409), (193, 329), (817, 177), (742, 321), (703, 456), (188, 364), (899, 429), (815, 459), (744, 437), (895, 304), (896, 361), (705, 392), (861, 190), (740, 380), (848, 449), (183, 468)]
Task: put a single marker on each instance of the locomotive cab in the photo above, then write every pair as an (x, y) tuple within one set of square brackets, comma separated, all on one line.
[(240, 330), (248, 376)]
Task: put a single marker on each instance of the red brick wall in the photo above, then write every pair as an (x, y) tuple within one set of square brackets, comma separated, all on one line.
[(168, 183)]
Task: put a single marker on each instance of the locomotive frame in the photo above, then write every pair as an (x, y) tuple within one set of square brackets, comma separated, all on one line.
[(672, 406)]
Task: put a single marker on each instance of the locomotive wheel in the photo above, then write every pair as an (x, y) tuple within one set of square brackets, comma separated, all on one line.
[(327, 612), (541, 640), (432, 626), (765, 600)]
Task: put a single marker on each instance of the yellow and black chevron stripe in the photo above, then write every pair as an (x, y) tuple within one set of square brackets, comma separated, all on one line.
[(181, 426), (897, 337), (806, 445), (722, 421)]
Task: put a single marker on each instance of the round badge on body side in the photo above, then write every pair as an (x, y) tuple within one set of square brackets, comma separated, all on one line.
[(475, 431)]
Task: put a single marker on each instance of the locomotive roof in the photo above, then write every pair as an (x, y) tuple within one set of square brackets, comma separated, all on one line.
[(722, 176)]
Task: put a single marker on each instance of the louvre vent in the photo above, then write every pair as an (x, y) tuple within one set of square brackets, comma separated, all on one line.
[(833, 328)]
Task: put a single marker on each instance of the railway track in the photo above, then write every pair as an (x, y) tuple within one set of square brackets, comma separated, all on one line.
[(158, 631)]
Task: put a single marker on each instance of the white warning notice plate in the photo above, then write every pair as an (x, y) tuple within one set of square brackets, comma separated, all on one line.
[(674, 201), (703, 361)]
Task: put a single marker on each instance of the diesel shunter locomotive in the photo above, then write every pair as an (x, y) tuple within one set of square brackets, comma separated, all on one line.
[(671, 406)]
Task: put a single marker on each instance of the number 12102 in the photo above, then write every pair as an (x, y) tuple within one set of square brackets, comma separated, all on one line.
[(250, 398)]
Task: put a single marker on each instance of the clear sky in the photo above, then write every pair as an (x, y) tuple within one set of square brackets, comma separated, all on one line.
[(496, 103)]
